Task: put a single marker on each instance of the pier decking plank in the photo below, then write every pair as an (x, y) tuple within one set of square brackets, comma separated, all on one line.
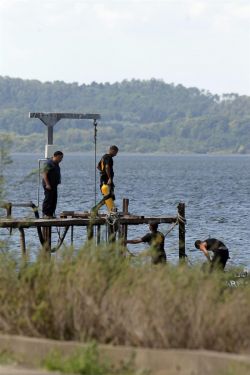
[(79, 221)]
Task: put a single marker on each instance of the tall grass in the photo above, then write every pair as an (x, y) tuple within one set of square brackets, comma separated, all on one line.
[(97, 295)]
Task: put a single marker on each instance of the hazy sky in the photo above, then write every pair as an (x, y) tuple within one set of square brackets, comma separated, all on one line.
[(202, 43)]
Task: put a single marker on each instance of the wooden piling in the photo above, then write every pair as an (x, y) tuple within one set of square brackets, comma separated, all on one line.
[(72, 235), (90, 230), (182, 222), (125, 204), (22, 241), (47, 239), (98, 234), (8, 209), (111, 233)]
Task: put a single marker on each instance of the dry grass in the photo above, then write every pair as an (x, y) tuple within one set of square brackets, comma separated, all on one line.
[(97, 295)]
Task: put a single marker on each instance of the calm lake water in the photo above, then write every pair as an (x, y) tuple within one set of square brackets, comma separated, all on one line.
[(215, 189)]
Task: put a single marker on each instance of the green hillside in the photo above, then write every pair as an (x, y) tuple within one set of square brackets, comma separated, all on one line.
[(140, 116)]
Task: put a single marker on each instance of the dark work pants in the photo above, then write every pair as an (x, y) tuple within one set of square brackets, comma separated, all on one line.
[(50, 201), (220, 259), (159, 258)]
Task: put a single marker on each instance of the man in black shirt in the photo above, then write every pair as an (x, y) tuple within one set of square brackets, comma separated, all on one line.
[(220, 252), (51, 179), (156, 241), (105, 166)]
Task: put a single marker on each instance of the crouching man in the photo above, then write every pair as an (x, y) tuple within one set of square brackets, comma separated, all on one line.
[(219, 250)]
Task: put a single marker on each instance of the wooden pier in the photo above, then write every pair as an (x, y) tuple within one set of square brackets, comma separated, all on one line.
[(117, 223)]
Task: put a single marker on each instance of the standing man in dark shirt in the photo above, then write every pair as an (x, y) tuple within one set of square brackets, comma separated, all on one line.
[(51, 179), (220, 252), (156, 241), (105, 166)]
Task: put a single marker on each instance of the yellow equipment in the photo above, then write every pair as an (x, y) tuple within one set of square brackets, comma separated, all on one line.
[(105, 189)]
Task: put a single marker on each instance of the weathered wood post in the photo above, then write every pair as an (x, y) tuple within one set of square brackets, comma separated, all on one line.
[(22, 241), (8, 209), (9, 212), (90, 230), (47, 239), (111, 233), (182, 222), (72, 235), (124, 227), (98, 234), (125, 204)]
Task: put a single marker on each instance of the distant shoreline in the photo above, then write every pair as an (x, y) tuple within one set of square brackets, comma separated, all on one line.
[(136, 154)]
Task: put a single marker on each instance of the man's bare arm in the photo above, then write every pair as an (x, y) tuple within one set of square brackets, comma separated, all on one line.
[(135, 241), (203, 248), (45, 177), (107, 169)]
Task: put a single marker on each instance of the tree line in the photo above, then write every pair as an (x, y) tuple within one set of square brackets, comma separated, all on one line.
[(139, 115)]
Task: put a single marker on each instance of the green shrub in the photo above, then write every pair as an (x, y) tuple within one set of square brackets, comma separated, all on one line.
[(87, 362), (7, 358)]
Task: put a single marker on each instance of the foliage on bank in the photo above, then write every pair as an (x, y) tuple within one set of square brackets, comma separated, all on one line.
[(89, 362), (97, 295), (140, 116)]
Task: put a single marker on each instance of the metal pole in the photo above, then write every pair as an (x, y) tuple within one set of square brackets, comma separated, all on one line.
[(50, 135), (95, 140)]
